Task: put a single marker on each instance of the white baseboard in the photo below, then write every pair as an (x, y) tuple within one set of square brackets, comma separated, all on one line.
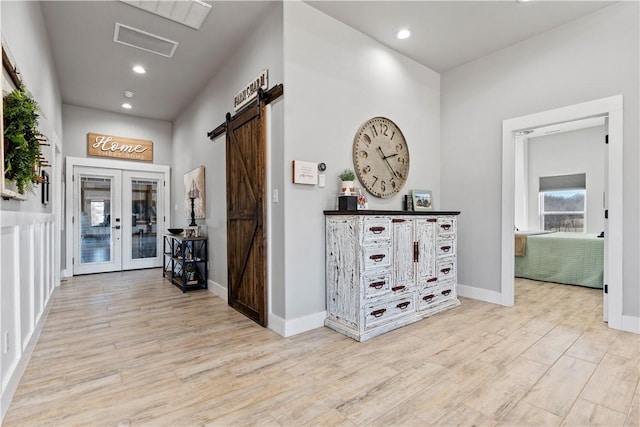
[(480, 294), (218, 290), (14, 381), (631, 324), (287, 328)]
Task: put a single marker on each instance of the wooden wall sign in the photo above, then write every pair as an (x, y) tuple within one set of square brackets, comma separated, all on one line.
[(250, 91), (117, 147)]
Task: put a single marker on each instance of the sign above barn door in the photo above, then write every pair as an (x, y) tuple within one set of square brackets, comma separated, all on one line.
[(250, 90)]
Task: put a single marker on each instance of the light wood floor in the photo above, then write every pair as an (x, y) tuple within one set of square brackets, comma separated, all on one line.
[(129, 348)]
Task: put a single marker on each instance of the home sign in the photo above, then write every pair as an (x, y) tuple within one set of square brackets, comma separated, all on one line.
[(117, 147)]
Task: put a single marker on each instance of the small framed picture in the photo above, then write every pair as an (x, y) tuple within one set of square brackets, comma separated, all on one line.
[(422, 200), (45, 187)]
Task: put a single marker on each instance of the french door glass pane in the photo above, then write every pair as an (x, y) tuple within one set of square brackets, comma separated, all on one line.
[(144, 197), (95, 219)]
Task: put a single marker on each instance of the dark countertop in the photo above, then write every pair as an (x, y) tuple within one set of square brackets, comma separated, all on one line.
[(376, 212)]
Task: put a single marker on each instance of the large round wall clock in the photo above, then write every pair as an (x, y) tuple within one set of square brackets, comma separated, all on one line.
[(381, 157)]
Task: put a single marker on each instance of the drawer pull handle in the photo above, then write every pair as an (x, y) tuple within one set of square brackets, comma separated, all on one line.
[(445, 248), (445, 270), (376, 230), (378, 313), (398, 288), (377, 285), (377, 257), (446, 292), (397, 220), (428, 298), (403, 305), (433, 279), (432, 220), (445, 226)]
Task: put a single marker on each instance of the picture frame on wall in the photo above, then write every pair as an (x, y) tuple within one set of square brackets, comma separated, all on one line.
[(45, 187), (422, 200)]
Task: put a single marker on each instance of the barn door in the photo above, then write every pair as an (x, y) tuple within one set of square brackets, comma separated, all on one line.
[(246, 213)]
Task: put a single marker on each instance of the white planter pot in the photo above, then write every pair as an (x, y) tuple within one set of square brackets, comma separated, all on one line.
[(347, 188)]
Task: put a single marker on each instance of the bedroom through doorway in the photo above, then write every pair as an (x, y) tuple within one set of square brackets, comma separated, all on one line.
[(559, 210), (561, 198)]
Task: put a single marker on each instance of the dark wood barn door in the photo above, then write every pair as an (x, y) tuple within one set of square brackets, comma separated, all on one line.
[(246, 214)]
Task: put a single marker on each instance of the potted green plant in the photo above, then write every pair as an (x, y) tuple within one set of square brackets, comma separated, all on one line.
[(346, 187), (190, 272), (21, 138)]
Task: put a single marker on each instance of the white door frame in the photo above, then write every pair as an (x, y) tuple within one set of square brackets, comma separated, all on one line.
[(71, 162), (612, 108), (128, 262), (114, 228)]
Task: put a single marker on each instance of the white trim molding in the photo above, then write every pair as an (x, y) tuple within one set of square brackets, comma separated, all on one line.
[(218, 290), (480, 294), (287, 328), (611, 108)]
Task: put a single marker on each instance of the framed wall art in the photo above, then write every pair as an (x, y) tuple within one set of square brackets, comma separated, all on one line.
[(422, 200), (194, 188)]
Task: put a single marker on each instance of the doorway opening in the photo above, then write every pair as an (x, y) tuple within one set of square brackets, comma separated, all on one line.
[(611, 109), (116, 212)]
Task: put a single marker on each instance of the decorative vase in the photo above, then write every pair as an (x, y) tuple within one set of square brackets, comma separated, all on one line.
[(347, 188)]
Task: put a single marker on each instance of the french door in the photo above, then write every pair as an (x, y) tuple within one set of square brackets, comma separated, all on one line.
[(118, 219)]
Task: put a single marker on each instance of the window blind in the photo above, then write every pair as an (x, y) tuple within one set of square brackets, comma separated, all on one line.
[(563, 182)]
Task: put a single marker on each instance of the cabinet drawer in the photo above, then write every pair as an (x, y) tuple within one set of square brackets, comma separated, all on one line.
[(446, 225), (377, 284), (445, 247), (376, 229), (376, 257), (430, 298), (387, 310), (446, 270)]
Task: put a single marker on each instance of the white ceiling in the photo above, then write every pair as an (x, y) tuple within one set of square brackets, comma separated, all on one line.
[(94, 71)]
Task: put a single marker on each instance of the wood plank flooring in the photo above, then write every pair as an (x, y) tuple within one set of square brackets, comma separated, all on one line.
[(131, 349)]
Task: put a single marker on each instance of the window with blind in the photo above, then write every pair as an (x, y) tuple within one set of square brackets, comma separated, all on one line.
[(563, 203)]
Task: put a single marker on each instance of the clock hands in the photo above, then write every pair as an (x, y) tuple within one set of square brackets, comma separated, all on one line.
[(388, 164)]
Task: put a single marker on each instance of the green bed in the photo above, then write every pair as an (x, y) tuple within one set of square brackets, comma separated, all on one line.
[(570, 258)]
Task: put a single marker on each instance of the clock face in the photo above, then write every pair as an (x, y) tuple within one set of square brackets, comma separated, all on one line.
[(381, 157)]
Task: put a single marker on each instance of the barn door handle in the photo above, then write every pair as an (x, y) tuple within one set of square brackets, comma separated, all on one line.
[(403, 305), (398, 288), (376, 230), (378, 313), (377, 285), (377, 257), (446, 292)]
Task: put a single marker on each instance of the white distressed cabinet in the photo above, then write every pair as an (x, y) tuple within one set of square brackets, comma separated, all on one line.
[(387, 269)]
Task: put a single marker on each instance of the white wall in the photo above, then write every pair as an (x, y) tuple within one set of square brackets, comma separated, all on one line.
[(590, 58), (191, 148), (78, 121), (335, 79), (579, 151), (27, 231)]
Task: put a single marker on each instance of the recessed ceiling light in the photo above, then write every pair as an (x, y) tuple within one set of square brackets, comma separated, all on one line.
[(403, 34), (128, 94), (126, 106), (139, 69)]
